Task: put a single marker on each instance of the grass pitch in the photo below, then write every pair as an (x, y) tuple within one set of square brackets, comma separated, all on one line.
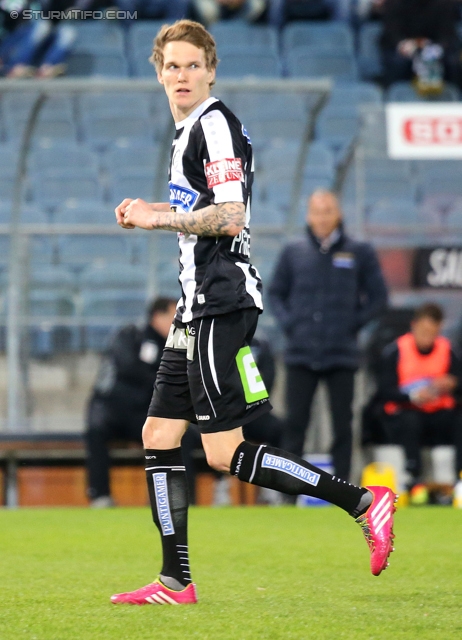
[(262, 573)]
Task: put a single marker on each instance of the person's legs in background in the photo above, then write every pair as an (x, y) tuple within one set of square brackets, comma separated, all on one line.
[(408, 427), (340, 386), (99, 431), (301, 384)]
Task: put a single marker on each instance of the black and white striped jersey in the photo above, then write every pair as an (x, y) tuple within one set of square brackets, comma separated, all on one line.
[(212, 162)]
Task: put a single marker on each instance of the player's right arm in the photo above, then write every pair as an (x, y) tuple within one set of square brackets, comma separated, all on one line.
[(122, 208)]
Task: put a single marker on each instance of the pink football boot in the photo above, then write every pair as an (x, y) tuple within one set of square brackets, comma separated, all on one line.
[(377, 526), (157, 593)]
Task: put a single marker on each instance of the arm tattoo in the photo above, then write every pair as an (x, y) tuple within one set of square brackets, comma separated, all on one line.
[(224, 219)]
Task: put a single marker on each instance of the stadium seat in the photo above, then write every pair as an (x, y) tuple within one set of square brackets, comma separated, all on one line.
[(51, 188), (345, 94), (107, 33), (42, 250), (4, 249), (337, 126), (107, 118), (132, 158), (264, 215), (97, 61), (82, 250), (141, 67), (140, 184), (237, 34), (103, 277), (104, 311), (280, 158), (55, 119), (320, 156), (57, 278), (46, 307), (306, 62), (318, 35), (249, 61), (68, 155), (82, 211), (396, 215), (369, 56), (405, 92)]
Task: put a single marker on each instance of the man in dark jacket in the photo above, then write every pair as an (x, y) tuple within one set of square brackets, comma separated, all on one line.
[(123, 391), (410, 24), (325, 288)]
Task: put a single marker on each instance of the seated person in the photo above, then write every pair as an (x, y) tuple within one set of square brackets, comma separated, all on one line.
[(122, 392), (409, 26), (419, 375)]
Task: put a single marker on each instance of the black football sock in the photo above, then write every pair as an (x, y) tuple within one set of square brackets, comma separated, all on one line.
[(168, 494), (276, 469)]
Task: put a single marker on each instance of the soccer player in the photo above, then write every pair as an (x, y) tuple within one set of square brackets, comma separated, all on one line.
[(207, 373)]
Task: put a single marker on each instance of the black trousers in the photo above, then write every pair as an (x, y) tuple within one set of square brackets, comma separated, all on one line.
[(414, 429), (106, 422), (300, 387)]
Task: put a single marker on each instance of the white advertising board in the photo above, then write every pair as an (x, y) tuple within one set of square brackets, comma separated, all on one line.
[(424, 131)]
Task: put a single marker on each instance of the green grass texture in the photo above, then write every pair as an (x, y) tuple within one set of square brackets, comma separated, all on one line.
[(262, 573)]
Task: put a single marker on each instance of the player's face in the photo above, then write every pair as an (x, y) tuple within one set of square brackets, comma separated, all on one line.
[(425, 331), (185, 77), (323, 214)]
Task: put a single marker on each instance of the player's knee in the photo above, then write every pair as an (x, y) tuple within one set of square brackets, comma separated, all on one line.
[(160, 433), (218, 461)]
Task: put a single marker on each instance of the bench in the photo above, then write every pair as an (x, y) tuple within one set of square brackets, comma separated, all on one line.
[(48, 469)]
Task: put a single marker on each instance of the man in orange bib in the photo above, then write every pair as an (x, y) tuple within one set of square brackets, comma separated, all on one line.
[(419, 377)]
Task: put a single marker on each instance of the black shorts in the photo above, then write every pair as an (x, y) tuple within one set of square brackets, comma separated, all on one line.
[(208, 375)]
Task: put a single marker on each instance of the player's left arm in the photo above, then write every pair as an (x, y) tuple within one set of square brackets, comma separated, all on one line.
[(222, 219)]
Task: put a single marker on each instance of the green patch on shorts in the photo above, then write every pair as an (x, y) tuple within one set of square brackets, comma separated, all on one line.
[(254, 387)]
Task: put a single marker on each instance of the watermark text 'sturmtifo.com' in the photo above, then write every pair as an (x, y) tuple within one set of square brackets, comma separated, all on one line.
[(74, 14)]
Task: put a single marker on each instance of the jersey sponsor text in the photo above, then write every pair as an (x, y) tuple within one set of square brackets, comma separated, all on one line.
[(222, 171)]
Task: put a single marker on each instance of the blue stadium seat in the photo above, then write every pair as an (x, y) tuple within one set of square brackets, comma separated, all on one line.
[(82, 250), (249, 61), (113, 276), (47, 336), (369, 56), (405, 92), (337, 126), (280, 159), (397, 214), (69, 156), (107, 33), (346, 94), (57, 278), (165, 248), (140, 184), (29, 214), (318, 35), (53, 187), (55, 119), (86, 212), (140, 65), (320, 156), (263, 214), (106, 118), (237, 34), (104, 311), (141, 34), (308, 63), (97, 61), (132, 158), (42, 250)]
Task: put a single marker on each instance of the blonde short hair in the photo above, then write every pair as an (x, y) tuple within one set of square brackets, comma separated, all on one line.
[(185, 31)]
